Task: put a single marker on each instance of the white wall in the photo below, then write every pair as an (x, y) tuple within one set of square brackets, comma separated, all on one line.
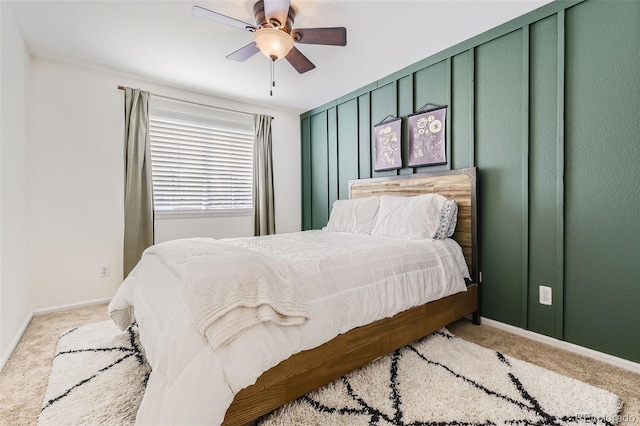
[(75, 184), (287, 175), (76, 179), (15, 307)]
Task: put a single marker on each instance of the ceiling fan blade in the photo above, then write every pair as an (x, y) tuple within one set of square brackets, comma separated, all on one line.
[(299, 61), (336, 36), (244, 53), (201, 12), (277, 9)]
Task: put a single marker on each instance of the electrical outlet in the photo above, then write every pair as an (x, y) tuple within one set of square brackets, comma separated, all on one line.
[(104, 271), (545, 295)]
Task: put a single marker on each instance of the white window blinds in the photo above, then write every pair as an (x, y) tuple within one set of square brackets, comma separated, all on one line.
[(200, 165)]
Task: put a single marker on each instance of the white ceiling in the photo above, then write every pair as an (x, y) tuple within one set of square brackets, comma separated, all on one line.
[(161, 41)]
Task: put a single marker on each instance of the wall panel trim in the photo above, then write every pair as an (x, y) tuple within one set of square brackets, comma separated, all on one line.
[(449, 89), (526, 82), (559, 296), (472, 107)]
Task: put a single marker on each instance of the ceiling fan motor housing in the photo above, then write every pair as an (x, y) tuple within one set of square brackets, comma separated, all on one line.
[(262, 22)]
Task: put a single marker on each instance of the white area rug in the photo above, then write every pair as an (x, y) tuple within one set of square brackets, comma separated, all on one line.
[(98, 377), (445, 380)]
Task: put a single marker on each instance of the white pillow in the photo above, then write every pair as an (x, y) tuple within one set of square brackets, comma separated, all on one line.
[(409, 218), (357, 216)]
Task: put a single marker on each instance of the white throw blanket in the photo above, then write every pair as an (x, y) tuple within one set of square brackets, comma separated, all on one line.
[(229, 289)]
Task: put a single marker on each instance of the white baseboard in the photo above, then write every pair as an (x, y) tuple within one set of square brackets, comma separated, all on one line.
[(68, 307), (581, 350), (37, 312), (12, 346)]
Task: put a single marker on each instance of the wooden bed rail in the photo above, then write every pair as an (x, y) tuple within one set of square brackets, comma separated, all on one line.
[(314, 368)]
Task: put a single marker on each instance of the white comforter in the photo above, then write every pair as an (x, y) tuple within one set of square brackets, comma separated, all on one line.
[(348, 280)]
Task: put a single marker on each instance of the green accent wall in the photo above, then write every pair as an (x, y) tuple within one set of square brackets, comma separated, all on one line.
[(544, 175), (319, 171), (546, 106), (602, 183), (498, 146)]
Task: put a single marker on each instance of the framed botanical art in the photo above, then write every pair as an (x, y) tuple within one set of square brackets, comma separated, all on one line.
[(387, 136), (427, 137)]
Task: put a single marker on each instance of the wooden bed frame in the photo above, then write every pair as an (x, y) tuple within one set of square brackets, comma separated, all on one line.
[(311, 369)]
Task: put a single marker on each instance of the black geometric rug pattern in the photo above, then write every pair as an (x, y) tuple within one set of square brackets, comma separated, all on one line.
[(461, 394), (98, 376)]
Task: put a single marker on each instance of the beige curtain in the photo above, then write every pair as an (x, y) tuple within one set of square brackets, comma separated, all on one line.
[(263, 211), (138, 191)]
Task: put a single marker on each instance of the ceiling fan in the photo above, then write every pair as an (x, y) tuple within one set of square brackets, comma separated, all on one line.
[(274, 34)]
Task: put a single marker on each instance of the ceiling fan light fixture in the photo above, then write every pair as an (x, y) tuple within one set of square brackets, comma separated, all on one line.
[(273, 43)]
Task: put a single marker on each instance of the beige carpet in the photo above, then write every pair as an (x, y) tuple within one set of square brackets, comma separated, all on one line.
[(622, 382), (24, 378)]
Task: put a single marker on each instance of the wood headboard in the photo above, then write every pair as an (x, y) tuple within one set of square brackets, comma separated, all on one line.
[(459, 185)]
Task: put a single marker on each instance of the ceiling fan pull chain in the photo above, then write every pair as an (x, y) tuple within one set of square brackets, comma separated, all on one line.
[(273, 76)]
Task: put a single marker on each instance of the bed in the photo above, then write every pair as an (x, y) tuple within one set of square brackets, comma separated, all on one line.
[(193, 383)]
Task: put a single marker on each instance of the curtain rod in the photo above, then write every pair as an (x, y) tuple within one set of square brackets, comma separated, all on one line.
[(196, 103)]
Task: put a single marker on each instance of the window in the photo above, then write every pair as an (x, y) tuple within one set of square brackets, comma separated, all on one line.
[(200, 164)]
